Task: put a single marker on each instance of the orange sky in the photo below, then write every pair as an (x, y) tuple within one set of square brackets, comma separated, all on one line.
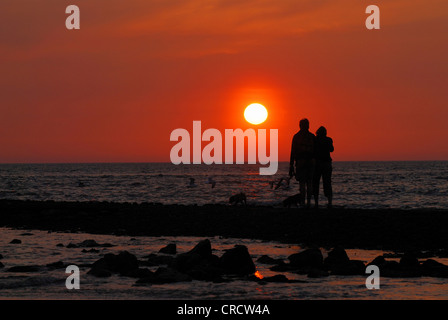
[(138, 69)]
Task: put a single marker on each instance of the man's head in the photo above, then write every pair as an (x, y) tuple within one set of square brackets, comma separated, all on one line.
[(304, 124)]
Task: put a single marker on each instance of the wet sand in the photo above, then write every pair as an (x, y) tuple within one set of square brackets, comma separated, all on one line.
[(397, 230)]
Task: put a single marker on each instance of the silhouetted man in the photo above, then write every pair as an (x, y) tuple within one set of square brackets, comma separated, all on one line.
[(323, 147), (302, 155)]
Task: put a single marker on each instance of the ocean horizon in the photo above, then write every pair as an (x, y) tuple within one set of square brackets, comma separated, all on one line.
[(356, 184)]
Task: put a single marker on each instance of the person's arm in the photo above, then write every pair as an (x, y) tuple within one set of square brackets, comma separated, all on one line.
[(330, 145), (292, 158)]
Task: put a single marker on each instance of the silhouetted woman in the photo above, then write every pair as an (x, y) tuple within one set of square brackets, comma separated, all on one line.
[(324, 168)]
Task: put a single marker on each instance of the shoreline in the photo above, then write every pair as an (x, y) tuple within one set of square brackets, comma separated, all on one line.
[(384, 229)]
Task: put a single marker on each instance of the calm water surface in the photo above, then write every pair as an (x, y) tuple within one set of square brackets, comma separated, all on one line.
[(406, 185)]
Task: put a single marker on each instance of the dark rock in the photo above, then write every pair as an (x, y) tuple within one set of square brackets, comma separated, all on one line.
[(432, 268), (187, 261), (318, 273), (208, 270), (309, 258), (378, 261), (203, 248), (165, 275), (140, 273), (56, 265), (199, 257), (409, 260), (336, 257), (338, 263), (33, 268), (350, 268), (393, 269), (16, 241), (123, 263), (280, 278), (26, 234), (59, 245), (100, 273), (156, 260), (268, 260), (237, 261), (169, 249)]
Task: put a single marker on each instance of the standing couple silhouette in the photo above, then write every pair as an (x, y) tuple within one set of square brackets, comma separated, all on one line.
[(310, 162)]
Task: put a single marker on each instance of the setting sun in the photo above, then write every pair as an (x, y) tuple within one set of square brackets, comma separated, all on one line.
[(255, 113)]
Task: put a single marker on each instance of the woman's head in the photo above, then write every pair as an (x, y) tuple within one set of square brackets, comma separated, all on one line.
[(321, 132)]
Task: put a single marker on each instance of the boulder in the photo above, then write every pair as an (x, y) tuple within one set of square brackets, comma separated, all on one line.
[(156, 260), (207, 271), (268, 260), (186, 262), (349, 268), (140, 273), (336, 257), (378, 261), (409, 260), (169, 249), (237, 261), (432, 268), (393, 269), (318, 273), (16, 241), (309, 258), (280, 278), (203, 248), (123, 263), (201, 254), (338, 263), (100, 273), (164, 275)]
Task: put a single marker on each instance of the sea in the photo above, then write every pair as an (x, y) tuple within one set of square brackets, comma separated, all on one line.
[(365, 185), (376, 185)]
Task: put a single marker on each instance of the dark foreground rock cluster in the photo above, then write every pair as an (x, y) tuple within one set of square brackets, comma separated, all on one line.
[(201, 264), (197, 264), (236, 263), (312, 263)]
